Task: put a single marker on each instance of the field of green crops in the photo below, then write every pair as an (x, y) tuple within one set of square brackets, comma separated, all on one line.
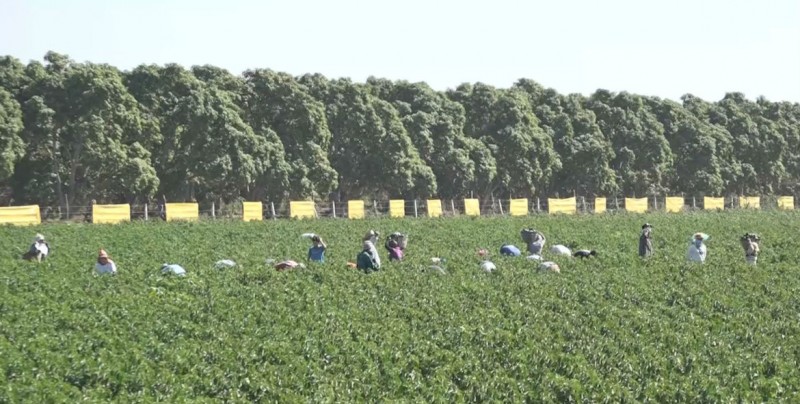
[(610, 329)]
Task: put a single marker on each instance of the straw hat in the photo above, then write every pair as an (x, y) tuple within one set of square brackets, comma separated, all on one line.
[(102, 254)]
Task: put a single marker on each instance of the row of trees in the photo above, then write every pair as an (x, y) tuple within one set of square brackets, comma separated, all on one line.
[(71, 132)]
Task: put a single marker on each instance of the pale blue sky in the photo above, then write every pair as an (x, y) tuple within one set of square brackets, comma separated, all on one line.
[(662, 48)]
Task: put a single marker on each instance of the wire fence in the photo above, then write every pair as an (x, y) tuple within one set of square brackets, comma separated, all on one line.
[(411, 208)]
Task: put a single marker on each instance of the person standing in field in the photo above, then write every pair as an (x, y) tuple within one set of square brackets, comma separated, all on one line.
[(646, 241), (697, 251), (104, 264), (317, 251), (38, 251), (751, 248)]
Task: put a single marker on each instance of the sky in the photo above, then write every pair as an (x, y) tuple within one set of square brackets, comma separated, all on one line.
[(656, 48)]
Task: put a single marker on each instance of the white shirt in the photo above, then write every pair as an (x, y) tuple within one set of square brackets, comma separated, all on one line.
[(696, 254), (549, 266), (560, 250), (108, 268), (42, 248)]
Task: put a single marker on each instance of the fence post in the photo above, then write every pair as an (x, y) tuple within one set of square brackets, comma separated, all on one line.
[(375, 207), (272, 209), (616, 203), (145, 212), (694, 203), (538, 205), (655, 201), (333, 205), (500, 202), (415, 208), (213, 210), (453, 207), (583, 204)]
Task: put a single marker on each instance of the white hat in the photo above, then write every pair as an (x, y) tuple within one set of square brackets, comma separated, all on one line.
[(39, 237)]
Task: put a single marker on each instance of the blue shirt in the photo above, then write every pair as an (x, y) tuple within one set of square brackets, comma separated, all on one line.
[(316, 253), (509, 250)]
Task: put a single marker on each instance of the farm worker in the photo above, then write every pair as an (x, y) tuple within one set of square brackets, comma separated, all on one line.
[(222, 264), (646, 241), (365, 260), (488, 266), (396, 245), (174, 269), (372, 237), (585, 253), (560, 249), (509, 250), (697, 249), (39, 249), (104, 265), (751, 248), (550, 266), (317, 251), (288, 264), (534, 240)]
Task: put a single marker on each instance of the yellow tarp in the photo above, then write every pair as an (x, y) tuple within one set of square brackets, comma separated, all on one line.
[(252, 211), (674, 203), (355, 209), (111, 213), (750, 202), (638, 205), (182, 211), (786, 202), (599, 205), (565, 205), (302, 209), (711, 203), (472, 207), (397, 208), (518, 207), (434, 207), (20, 215)]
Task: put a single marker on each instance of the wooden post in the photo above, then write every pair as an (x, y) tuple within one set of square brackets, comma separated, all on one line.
[(272, 209), (694, 203), (213, 210), (375, 207), (500, 202), (655, 201), (333, 204), (145, 211), (538, 205), (415, 208), (453, 207)]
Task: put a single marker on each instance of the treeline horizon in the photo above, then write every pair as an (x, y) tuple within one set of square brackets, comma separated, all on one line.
[(73, 132)]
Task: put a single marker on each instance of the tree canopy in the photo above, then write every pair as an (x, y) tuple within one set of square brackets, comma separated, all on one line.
[(73, 132)]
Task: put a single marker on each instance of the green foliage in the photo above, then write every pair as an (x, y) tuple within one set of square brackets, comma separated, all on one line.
[(608, 329), (73, 132)]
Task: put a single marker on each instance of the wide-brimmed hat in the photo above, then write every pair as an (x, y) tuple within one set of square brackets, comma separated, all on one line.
[(39, 237)]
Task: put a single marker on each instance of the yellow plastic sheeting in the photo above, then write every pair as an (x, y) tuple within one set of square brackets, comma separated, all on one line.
[(20, 215), (472, 207), (674, 203), (111, 214), (182, 211), (638, 205), (397, 208), (750, 202), (786, 202), (599, 205), (711, 203), (252, 211), (302, 209), (355, 209), (518, 207), (434, 207), (565, 205)]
